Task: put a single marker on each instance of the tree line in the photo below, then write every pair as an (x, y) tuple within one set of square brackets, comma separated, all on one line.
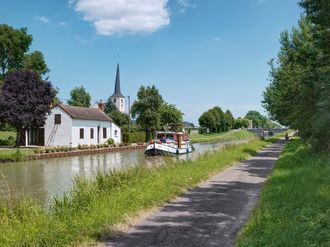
[(215, 121), (299, 92)]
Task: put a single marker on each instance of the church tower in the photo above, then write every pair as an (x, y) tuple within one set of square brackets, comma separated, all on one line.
[(118, 98)]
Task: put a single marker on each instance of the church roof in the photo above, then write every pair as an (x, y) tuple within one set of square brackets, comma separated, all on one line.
[(117, 92), (85, 113)]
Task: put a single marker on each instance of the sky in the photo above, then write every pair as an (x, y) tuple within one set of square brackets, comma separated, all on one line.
[(198, 53)]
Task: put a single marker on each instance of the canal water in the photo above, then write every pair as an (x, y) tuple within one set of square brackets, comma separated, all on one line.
[(43, 179)]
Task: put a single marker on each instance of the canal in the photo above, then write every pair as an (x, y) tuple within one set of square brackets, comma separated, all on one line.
[(44, 179)]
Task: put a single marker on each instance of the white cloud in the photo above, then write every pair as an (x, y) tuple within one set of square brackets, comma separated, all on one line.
[(41, 18), (124, 16)]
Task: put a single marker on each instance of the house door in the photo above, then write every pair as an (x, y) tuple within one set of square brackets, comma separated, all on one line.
[(22, 138), (36, 137)]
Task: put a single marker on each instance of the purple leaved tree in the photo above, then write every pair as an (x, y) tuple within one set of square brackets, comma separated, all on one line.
[(25, 100)]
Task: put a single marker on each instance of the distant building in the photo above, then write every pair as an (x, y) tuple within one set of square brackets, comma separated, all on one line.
[(72, 126), (250, 124), (118, 98)]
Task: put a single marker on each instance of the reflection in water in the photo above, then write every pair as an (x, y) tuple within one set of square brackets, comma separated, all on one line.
[(42, 179)]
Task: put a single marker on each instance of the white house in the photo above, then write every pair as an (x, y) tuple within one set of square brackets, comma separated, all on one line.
[(73, 126)]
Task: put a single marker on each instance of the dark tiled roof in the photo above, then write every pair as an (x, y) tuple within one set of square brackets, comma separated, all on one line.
[(117, 92), (85, 113)]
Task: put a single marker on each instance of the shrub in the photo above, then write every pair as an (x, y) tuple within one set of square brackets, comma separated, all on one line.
[(134, 137), (110, 141), (10, 141)]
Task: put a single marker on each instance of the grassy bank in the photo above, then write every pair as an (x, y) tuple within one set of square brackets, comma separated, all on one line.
[(294, 208), (13, 155), (233, 135), (93, 207)]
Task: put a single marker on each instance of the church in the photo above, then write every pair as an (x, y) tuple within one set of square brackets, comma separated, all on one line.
[(118, 98)]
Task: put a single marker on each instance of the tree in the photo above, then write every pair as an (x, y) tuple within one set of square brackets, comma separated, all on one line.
[(14, 43), (258, 120), (121, 119), (25, 100), (230, 120), (318, 13), (146, 108), (208, 120), (219, 119), (299, 93), (110, 107), (241, 123), (35, 61), (216, 120), (169, 114), (79, 97), (56, 99)]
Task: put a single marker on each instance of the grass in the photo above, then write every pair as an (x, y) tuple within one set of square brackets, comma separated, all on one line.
[(218, 137), (294, 208), (93, 208), (13, 155), (6, 134)]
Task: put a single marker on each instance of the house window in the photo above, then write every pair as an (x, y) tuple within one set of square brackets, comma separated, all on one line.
[(81, 133), (57, 119), (122, 100), (116, 132), (92, 133), (114, 100), (104, 133)]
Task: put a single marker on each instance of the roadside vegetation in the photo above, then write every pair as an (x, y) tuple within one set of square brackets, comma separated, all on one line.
[(220, 137), (299, 93), (93, 207), (294, 205)]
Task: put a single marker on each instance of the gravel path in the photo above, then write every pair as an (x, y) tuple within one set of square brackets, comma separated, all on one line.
[(210, 214)]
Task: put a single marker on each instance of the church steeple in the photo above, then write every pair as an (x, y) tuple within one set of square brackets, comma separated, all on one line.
[(117, 92), (118, 98)]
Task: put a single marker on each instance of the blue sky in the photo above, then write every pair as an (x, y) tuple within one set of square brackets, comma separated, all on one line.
[(199, 53)]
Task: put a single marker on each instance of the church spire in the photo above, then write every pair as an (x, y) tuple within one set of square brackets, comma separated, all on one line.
[(117, 92)]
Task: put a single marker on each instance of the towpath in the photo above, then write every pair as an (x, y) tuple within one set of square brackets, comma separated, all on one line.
[(210, 214)]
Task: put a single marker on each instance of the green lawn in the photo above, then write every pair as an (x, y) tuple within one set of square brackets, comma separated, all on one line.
[(6, 134), (218, 137), (94, 207), (294, 208)]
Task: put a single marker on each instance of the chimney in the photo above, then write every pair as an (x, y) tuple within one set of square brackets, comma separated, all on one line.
[(101, 105)]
